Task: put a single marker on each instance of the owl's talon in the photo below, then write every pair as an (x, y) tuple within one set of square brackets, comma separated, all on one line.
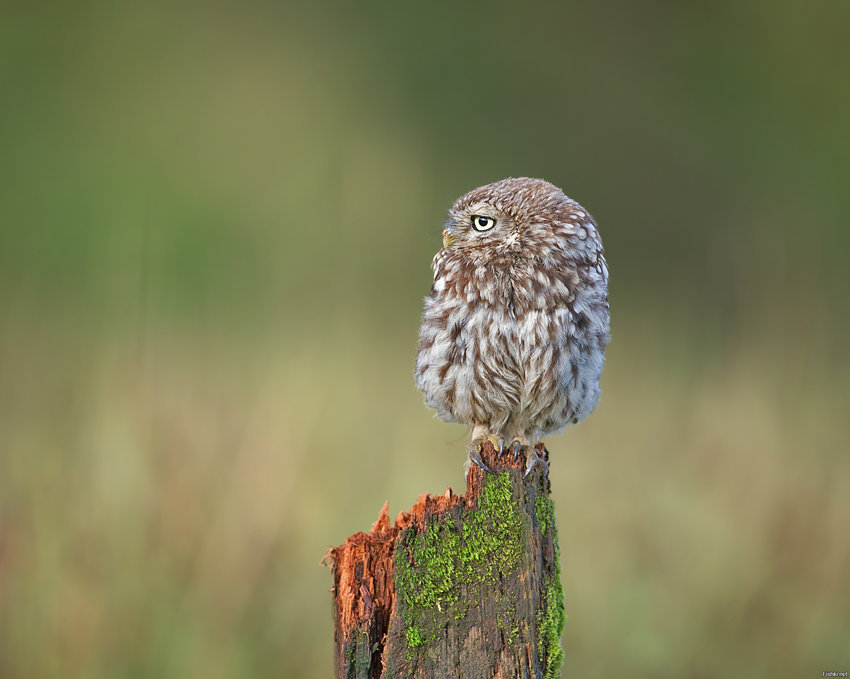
[(474, 452), (517, 448), (533, 460), (498, 442)]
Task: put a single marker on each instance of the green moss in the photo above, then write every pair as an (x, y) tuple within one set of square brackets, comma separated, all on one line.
[(551, 617), (413, 638), (544, 510), (551, 621), (508, 622), (492, 536), (441, 568)]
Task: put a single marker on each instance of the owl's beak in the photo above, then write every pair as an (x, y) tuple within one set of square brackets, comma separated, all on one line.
[(448, 239)]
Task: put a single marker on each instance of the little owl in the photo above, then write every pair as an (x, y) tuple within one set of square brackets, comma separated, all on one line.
[(514, 332)]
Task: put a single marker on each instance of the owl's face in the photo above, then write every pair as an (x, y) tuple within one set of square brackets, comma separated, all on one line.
[(508, 218)]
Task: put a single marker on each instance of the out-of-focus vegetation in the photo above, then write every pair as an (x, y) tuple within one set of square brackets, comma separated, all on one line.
[(217, 221)]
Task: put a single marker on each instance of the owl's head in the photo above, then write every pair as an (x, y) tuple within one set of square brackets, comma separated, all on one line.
[(513, 217)]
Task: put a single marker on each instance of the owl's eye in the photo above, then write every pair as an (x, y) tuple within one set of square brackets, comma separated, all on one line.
[(481, 223)]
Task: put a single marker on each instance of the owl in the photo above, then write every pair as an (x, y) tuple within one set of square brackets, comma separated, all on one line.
[(514, 331)]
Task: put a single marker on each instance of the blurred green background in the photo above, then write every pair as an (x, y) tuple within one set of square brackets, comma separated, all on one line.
[(217, 224)]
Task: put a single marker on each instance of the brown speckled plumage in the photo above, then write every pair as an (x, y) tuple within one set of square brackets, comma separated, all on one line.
[(514, 331)]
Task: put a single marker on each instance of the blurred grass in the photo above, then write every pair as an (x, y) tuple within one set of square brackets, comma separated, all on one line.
[(217, 228)]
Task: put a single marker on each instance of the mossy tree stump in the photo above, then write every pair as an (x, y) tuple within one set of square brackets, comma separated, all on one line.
[(459, 587)]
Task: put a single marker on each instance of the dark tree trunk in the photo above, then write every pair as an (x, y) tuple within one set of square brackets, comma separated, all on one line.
[(459, 587)]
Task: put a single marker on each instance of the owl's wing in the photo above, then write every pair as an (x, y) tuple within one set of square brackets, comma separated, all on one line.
[(581, 244)]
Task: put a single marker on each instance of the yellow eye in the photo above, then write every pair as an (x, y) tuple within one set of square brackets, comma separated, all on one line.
[(482, 223)]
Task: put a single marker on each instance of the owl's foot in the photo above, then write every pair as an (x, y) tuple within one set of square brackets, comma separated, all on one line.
[(474, 449), (534, 459), (533, 456)]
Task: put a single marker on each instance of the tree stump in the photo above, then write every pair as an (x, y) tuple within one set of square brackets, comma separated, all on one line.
[(462, 586)]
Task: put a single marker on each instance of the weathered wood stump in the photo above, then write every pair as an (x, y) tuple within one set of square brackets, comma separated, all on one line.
[(459, 587)]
